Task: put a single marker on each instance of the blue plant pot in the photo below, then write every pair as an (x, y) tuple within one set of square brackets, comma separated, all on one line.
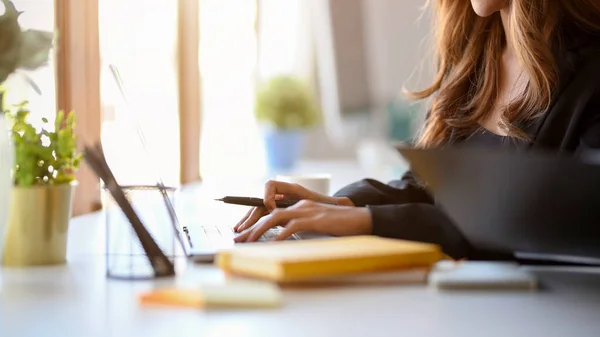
[(283, 148)]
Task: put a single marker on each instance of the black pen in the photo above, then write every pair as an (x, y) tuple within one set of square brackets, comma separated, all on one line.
[(256, 202)]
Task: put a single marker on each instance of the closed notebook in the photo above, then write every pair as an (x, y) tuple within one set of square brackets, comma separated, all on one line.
[(292, 261)]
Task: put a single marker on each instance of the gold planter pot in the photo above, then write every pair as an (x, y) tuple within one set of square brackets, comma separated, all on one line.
[(38, 225)]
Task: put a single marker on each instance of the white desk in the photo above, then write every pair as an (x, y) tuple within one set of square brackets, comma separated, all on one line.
[(77, 300)]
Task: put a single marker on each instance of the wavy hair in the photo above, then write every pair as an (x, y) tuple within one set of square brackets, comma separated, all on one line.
[(468, 49)]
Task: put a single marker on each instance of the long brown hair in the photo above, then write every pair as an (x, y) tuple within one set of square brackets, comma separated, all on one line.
[(468, 48)]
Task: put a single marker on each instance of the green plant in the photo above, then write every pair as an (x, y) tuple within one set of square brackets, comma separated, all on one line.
[(44, 157), (286, 102), (21, 49)]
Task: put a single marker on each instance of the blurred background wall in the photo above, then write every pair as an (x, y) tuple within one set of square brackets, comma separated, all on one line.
[(357, 54), (380, 47)]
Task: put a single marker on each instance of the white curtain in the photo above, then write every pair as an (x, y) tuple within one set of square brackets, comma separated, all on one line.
[(231, 148), (285, 39), (319, 12), (244, 42), (295, 37)]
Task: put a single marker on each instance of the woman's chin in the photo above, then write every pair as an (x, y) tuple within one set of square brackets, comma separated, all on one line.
[(483, 12), (485, 8)]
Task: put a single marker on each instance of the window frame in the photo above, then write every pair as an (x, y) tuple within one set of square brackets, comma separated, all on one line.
[(78, 87)]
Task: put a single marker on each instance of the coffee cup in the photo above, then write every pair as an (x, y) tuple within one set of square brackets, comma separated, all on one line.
[(320, 183)]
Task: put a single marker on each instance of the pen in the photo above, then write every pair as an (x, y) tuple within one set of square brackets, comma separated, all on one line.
[(256, 202)]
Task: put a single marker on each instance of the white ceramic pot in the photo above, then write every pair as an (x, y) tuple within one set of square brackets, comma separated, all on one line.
[(7, 158)]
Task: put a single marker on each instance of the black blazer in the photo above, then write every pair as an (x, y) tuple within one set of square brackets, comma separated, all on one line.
[(403, 209)]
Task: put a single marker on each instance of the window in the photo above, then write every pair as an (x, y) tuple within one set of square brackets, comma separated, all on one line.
[(140, 38), (230, 145), (233, 58), (285, 38)]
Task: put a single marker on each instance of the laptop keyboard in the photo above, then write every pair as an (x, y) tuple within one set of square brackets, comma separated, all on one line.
[(274, 232), (210, 237)]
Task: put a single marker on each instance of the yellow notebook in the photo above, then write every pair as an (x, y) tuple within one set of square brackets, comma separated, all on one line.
[(292, 261), (228, 295)]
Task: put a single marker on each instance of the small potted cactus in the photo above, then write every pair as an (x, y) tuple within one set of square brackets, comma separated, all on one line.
[(42, 196), (286, 107)]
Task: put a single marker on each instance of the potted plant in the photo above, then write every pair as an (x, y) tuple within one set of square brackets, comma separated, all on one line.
[(26, 50), (42, 195), (286, 107)]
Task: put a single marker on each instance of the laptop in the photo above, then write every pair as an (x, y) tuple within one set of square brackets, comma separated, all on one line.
[(534, 205), (200, 242)]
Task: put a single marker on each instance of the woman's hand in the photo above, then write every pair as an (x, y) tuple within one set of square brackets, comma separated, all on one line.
[(312, 217), (277, 190)]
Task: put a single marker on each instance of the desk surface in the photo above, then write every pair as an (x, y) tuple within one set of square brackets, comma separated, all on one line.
[(77, 300)]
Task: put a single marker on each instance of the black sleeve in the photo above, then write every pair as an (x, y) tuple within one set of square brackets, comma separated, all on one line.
[(403, 209), (590, 135), (422, 223), (372, 192)]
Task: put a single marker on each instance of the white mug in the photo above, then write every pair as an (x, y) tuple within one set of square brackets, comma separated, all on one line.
[(319, 183)]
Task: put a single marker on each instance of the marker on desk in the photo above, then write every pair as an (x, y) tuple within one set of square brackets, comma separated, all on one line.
[(257, 202)]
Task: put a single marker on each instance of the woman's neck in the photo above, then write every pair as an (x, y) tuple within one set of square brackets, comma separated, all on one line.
[(511, 82), (505, 15)]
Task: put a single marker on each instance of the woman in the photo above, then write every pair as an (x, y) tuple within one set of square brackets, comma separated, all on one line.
[(521, 74)]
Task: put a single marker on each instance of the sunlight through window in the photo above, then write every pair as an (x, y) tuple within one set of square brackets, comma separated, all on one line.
[(140, 39), (230, 145)]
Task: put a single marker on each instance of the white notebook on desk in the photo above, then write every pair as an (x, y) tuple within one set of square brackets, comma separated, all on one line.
[(481, 275)]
